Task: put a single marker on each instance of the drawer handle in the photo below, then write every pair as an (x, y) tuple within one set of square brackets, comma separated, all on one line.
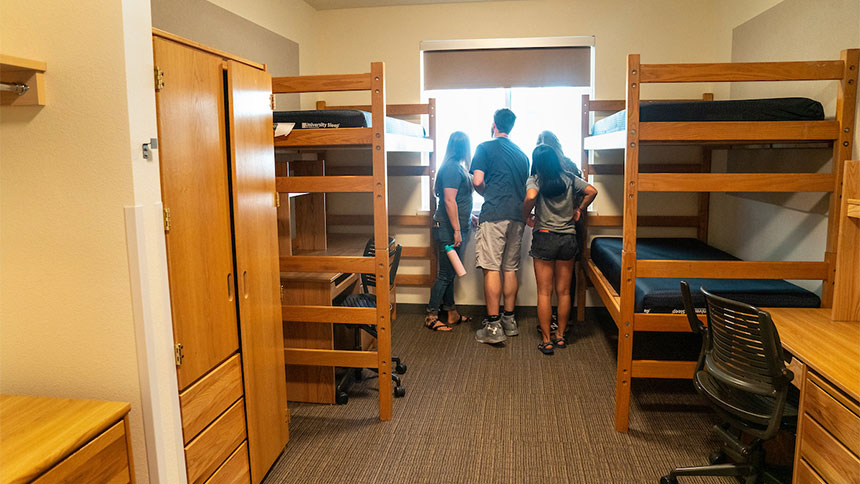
[(230, 286)]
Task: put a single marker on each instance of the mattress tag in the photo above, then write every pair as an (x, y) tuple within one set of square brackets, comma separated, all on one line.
[(283, 129)]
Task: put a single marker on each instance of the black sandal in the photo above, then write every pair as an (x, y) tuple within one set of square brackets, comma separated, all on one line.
[(432, 323), (559, 342), (546, 348), (463, 319)]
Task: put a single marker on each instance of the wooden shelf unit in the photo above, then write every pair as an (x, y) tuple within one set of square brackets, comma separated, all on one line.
[(308, 314), (16, 70), (639, 178)]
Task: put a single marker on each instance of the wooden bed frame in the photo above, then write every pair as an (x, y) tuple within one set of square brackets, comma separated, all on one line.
[(640, 178), (310, 181)]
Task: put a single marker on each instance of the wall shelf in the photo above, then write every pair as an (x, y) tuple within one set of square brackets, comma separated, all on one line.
[(16, 70)]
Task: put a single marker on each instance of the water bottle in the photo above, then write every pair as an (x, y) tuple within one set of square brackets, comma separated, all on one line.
[(455, 260)]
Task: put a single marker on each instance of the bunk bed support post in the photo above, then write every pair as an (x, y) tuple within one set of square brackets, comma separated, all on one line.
[(628, 253), (431, 121), (581, 279), (380, 234), (846, 100)]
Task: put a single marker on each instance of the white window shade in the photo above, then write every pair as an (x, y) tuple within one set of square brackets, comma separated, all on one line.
[(507, 67)]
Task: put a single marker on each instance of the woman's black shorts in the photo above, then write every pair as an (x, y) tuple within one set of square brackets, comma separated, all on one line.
[(553, 246)]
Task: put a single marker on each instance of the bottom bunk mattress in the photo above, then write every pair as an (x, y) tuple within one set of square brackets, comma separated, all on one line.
[(345, 118), (663, 295)]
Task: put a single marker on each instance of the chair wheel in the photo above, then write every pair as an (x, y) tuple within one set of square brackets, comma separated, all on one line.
[(399, 391), (668, 480), (341, 398), (717, 457), (400, 368)]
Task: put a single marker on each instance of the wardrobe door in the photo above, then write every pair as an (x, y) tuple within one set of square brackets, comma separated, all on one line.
[(256, 238), (195, 190)]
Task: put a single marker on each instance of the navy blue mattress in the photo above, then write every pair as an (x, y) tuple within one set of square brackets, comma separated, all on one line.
[(345, 118), (664, 295), (777, 109)]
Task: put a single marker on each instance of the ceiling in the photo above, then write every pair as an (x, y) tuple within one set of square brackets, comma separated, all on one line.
[(338, 4)]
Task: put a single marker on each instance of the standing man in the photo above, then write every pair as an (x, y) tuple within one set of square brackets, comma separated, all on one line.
[(500, 172)]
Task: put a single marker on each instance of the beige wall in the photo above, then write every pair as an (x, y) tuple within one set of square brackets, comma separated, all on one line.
[(66, 314), (661, 31)]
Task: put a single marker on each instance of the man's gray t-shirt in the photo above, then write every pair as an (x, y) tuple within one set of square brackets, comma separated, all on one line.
[(556, 214), (506, 169)]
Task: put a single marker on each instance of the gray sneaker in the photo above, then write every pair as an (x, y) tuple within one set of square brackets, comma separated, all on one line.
[(492, 333), (509, 323)]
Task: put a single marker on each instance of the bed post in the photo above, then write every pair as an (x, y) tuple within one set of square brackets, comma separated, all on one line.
[(380, 234), (434, 253), (846, 99), (581, 280), (628, 253)]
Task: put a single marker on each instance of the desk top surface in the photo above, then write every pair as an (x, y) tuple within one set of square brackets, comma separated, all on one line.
[(337, 245), (38, 432), (830, 348)]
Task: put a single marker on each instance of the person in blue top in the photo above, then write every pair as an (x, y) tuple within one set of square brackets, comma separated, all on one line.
[(554, 194), (500, 170), (453, 190)]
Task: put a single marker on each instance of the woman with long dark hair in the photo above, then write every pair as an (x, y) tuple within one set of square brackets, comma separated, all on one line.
[(453, 190), (552, 192)]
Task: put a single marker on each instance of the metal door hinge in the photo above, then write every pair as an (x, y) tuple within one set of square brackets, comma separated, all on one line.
[(272, 101), (166, 220), (277, 200), (177, 354), (159, 79)]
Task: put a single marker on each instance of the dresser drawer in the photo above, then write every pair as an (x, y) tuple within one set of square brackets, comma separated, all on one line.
[(236, 470), (834, 412), (216, 443), (103, 460), (829, 458), (805, 475), (203, 401)]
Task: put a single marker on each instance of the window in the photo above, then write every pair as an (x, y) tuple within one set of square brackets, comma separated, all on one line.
[(557, 109)]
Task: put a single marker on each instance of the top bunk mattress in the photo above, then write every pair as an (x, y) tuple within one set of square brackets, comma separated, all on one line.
[(345, 118), (663, 295), (777, 109)]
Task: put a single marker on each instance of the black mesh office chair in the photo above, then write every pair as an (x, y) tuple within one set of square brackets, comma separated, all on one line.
[(741, 371), (367, 299)]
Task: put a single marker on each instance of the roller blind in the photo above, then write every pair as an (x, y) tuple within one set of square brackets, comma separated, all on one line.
[(507, 67)]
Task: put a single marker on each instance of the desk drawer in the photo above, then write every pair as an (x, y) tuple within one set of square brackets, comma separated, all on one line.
[(103, 460), (236, 470), (213, 446), (203, 401), (805, 475), (826, 455), (834, 412)]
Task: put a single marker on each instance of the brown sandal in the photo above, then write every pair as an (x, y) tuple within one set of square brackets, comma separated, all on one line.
[(432, 323)]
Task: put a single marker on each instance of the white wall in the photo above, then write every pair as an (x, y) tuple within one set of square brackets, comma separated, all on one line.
[(781, 226), (661, 31)]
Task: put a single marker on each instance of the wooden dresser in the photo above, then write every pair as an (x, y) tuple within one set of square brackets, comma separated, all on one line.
[(47, 440)]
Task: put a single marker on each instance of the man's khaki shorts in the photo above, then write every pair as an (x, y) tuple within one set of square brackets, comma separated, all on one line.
[(497, 245)]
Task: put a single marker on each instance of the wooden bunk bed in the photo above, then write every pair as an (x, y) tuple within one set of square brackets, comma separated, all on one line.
[(634, 133), (315, 267)]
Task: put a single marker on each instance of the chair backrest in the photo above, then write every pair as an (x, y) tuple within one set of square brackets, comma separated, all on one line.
[(394, 251)]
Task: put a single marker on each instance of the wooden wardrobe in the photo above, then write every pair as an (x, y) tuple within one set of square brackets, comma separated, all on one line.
[(218, 188)]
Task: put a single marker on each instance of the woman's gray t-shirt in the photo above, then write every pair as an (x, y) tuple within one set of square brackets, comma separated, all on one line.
[(556, 214)]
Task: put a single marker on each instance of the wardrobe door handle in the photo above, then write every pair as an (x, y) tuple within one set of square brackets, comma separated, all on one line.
[(230, 286), (245, 284)]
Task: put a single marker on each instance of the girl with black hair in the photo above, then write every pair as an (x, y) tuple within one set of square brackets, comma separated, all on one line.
[(552, 193), (453, 190)]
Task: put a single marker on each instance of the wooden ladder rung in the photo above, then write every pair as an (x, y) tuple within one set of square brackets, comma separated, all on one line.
[(345, 358), (324, 184), (328, 314), (310, 263)]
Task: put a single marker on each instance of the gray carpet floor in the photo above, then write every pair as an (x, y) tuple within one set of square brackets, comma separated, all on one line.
[(478, 413)]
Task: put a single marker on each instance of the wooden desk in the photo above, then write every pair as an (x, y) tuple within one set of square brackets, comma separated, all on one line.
[(827, 371), (315, 384), (46, 440)]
